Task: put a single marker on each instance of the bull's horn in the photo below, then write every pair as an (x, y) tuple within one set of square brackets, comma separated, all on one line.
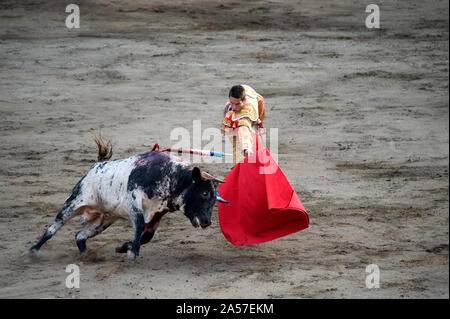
[(207, 176), (221, 200)]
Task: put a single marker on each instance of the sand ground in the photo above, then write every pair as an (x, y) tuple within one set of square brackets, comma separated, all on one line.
[(362, 118)]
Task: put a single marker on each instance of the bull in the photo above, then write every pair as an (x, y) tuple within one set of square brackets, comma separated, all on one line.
[(142, 188)]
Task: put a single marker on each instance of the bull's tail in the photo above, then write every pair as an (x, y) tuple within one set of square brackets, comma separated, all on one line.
[(104, 149)]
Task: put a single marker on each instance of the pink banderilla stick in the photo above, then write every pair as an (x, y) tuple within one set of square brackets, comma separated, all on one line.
[(198, 152)]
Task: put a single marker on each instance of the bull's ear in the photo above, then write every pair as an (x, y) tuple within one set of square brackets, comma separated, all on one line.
[(196, 175)]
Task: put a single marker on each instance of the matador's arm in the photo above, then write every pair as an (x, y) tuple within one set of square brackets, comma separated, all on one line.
[(245, 135)]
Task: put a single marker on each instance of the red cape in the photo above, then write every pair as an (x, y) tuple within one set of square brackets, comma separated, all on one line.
[(263, 205)]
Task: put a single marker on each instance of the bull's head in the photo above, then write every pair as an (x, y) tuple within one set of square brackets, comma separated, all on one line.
[(200, 198)]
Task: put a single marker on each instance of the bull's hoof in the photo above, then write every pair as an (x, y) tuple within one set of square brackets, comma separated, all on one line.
[(124, 248), (81, 244), (30, 252)]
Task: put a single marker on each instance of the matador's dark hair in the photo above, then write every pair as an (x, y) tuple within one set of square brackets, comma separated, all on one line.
[(237, 92)]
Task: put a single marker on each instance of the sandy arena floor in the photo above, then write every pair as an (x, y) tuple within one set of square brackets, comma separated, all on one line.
[(362, 118)]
